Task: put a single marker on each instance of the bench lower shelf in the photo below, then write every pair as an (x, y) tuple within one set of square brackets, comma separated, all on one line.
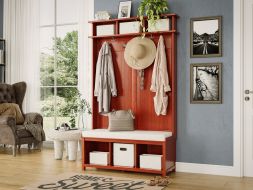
[(123, 168), (166, 148)]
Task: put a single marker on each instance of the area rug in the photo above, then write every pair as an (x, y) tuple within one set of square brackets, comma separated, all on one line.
[(91, 182)]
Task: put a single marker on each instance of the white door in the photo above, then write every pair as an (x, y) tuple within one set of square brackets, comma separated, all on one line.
[(248, 88)]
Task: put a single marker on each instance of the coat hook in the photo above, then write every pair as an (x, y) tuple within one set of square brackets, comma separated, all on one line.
[(113, 39), (124, 45)]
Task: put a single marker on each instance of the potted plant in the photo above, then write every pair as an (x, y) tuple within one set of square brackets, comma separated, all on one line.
[(80, 106), (153, 10)]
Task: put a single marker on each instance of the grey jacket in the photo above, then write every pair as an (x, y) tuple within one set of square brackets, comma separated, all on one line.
[(105, 84)]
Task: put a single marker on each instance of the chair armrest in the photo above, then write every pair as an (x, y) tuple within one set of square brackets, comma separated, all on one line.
[(8, 121), (33, 118)]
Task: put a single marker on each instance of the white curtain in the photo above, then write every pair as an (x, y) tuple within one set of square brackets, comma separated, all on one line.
[(21, 31), (86, 10)]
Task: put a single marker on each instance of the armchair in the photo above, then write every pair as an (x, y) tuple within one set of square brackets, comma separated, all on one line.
[(10, 132)]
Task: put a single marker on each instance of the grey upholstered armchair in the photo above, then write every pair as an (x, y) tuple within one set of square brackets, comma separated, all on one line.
[(10, 133)]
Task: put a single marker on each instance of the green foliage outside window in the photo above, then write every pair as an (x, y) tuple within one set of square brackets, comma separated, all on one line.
[(68, 101)]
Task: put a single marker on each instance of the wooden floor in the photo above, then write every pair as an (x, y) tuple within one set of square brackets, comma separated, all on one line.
[(27, 167)]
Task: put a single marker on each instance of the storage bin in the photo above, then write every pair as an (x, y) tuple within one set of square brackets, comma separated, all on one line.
[(129, 27), (99, 158), (151, 161), (123, 154), (105, 30), (160, 25)]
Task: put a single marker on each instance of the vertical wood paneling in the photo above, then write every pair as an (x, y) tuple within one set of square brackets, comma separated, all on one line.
[(128, 85)]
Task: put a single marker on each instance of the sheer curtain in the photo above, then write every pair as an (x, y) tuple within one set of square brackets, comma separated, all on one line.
[(21, 31), (85, 51)]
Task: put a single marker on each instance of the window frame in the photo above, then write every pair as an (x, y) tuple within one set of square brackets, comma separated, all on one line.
[(55, 86)]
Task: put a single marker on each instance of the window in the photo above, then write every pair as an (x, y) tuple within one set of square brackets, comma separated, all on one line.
[(59, 60)]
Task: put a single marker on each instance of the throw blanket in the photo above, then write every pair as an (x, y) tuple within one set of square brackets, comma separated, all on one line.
[(12, 109), (36, 130)]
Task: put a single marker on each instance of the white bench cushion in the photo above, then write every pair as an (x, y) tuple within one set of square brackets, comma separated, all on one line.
[(127, 135)]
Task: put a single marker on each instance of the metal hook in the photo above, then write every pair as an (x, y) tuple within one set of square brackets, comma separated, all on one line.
[(113, 39)]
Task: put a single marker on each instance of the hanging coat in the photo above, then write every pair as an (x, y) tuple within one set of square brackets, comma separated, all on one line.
[(160, 79), (105, 85)]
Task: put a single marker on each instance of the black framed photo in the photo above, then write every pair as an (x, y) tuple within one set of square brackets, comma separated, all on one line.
[(206, 37), (205, 83), (124, 9)]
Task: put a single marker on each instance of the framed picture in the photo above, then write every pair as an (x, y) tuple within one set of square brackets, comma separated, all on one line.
[(205, 87), (206, 37), (124, 9)]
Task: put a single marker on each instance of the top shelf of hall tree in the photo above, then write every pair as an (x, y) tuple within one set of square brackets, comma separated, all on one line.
[(116, 24)]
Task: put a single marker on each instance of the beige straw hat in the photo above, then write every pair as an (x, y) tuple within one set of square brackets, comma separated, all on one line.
[(140, 53)]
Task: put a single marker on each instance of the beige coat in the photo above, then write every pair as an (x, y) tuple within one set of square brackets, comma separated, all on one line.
[(160, 79), (105, 84)]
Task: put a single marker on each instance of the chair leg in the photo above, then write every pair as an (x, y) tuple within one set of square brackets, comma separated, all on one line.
[(29, 146), (14, 150), (19, 146)]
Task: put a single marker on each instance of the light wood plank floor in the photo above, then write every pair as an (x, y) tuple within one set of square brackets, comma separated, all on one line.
[(27, 167)]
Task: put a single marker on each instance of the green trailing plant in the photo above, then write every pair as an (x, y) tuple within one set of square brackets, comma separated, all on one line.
[(78, 106), (153, 10)]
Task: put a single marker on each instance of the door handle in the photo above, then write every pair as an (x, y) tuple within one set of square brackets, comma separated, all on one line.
[(248, 92)]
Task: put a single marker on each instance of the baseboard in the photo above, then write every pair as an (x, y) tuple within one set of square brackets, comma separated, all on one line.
[(48, 144), (206, 169)]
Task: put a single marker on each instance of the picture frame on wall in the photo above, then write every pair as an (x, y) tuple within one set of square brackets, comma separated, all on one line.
[(206, 83), (124, 9), (206, 37)]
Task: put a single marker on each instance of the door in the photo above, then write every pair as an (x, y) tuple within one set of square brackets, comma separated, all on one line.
[(248, 88)]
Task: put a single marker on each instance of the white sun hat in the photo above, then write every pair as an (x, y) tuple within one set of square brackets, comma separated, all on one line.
[(140, 53)]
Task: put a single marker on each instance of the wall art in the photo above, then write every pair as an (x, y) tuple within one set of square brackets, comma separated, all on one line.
[(205, 87), (124, 9), (206, 37)]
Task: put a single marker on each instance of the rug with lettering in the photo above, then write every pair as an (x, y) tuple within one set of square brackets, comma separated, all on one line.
[(91, 182)]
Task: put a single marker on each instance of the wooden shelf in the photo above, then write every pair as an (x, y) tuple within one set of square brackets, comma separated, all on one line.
[(140, 147), (127, 19), (116, 23), (134, 34), (2, 65), (124, 168)]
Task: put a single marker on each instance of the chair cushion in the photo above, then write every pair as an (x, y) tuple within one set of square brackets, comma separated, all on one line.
[(22, 132)]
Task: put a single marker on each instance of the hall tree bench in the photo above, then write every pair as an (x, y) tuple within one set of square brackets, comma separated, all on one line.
[(144, 142), (154, 137)]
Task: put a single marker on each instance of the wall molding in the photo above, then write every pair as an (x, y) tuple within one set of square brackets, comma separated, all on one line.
[(238, 87), (206, 169)]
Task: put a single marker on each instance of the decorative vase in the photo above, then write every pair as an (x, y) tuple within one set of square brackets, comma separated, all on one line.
[(81, 118)]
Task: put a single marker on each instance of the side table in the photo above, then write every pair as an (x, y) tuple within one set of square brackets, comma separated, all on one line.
[(71, 137)]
